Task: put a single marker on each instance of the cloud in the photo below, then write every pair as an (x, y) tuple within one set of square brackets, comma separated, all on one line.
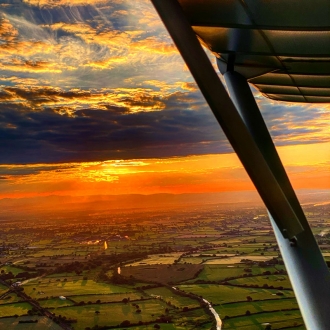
[(21, 81), (151, 44), (115, 133), (59, 3), (8, 171), (32, 66), (129, 99), (124, 123), (8, 33), (109, 37), (97, 80), (121, 163), (296, 123)]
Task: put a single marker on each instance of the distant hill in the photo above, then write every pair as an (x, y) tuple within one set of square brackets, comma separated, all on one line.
[(53, 203)]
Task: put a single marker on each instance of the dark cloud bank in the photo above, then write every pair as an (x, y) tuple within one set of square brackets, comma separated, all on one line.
[(47, 136), (44, 135)]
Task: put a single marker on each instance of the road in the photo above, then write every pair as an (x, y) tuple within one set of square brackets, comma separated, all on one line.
[(34, 304), (212, 310)]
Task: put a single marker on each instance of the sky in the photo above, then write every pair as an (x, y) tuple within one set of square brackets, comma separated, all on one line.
[(95, 99)]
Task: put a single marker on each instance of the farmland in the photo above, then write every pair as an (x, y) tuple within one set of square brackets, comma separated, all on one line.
[(145, 270)]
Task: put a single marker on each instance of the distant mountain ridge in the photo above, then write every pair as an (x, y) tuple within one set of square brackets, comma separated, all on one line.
[(129, 201)]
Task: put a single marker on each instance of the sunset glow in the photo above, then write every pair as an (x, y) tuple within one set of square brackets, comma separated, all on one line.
[(307, 166), (96, 100)]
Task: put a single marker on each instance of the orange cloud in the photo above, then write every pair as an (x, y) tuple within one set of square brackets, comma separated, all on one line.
[(19, 81), (131, 52), (109, 63), (31, 66), (57, 3), (99, 35), (12, 45), (134, 99), (148, 16), (8, 32), (26, 48), (207, 173), (154, 45)]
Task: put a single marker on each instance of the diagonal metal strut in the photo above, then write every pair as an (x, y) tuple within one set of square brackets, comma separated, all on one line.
[(231, 121), (245, 129)]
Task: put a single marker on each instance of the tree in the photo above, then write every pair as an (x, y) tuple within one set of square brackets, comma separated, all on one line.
[(249, 298), (247, 313), (125, 323)]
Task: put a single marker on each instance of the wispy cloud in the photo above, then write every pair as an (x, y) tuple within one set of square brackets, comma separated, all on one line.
[(97, 80), (60, 3)]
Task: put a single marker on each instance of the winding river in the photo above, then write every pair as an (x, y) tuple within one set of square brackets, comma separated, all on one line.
[(215, 314), (212, 310)]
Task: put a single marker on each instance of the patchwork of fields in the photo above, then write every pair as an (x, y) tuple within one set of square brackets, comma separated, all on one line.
[(149, 277)]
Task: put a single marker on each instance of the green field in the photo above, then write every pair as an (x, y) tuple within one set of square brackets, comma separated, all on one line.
[(114, 297), (11, 297), (234, 309), (55, 302), (12, 269), (48, 253), (72, 252), (197, 249), (67, 288), (256, 270), (274, 280), (278, 320), (175, 299), (3, 289), (236, 259), (193, 260), (219, 294), (43, 323), (163, 259), (162, 273), (113, 314), (19, 308), (219, 272), (227, 240), (193, 319), (163, 326), (69, 276)]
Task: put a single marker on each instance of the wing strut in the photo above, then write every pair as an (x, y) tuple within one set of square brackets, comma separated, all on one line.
[(245, 129)]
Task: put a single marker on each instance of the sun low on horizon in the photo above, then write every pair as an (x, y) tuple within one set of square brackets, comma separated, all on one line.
[(96, 100)]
